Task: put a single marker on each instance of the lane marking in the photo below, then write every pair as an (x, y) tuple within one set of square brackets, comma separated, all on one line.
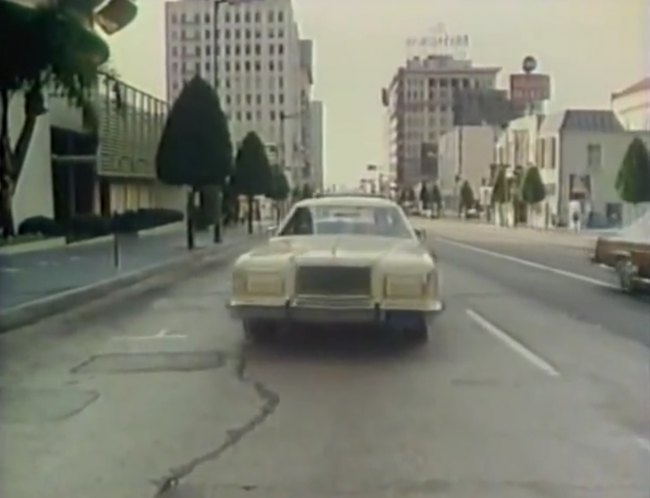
[(513, 344), (163, 334), (531, 264), (643, 443)]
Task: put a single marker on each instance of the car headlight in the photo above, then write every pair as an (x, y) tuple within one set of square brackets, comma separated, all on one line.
[(406, 286), (258, 284)]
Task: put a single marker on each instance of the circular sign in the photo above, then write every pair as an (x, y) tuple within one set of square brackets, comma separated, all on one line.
[(530, 64)]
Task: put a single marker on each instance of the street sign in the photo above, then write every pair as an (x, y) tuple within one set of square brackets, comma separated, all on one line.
[(527, 88)]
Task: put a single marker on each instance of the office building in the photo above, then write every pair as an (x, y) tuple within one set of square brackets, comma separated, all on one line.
[(251, 52), (316, 113), (420, 104)]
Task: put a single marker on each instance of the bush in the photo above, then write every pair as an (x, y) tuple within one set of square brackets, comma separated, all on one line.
[(88, 225), (143, 219), (40, 225)]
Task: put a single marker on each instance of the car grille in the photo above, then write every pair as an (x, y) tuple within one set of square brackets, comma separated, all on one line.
[(336, 302), (333, 280)]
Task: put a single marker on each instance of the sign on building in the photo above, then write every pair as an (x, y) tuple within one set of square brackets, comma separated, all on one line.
[(438, 41), (527, 88)]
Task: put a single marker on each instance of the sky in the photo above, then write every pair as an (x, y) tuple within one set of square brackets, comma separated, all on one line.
[(590, 48)]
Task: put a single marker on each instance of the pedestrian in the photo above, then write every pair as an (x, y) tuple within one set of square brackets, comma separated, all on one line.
[(576, 221)]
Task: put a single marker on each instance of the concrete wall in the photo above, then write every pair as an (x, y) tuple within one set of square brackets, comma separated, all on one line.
[(33, 195)]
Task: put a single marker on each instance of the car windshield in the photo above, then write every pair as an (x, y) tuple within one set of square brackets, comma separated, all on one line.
[(347, 220)]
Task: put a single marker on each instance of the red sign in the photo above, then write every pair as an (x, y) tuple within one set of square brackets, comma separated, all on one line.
[(527, 88)]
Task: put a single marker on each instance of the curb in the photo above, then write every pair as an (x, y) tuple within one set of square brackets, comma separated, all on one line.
[(161, 230), (144, 279), (37, 245)]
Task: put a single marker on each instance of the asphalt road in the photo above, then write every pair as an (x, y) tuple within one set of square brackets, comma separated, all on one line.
[(26, 277), (527, 388)]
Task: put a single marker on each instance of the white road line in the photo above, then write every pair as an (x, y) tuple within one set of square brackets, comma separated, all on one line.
[(163, 334), (531, 264), (513, 344), (643, 443)]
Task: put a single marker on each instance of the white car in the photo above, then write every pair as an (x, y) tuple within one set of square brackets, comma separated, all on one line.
[(338, 260)]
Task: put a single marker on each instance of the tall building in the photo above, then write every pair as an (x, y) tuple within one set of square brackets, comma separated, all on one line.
[(420, 102), (252, 53), (316, 114), (476, 107)]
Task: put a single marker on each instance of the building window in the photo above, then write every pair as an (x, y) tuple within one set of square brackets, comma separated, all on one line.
[(247, 17), (238, 115), (183, 18), (174, 19), (227, 50), (258, 66), (197, 68), (258, 99), (247, 66), (248, 34), (228, 99), (280, 16), (271, 16), (227, 82), (258, 17), (226, 34), (272, 98), (237, 49), (271, 49), (197, 50), (217, 51), (281, 49), (444, 83), (271, 33), (594, 156), (237, 34), (247, 49), (280, 33), (207, 33), (249, 116), (207, 67), (281, 98), (281, 81), (207, 50), (272, 114), (197, 18), (237, 66), (258, 115), (271, 66), (258, 34), (249, 99), (227, 65), (207, 17), (258, 49), (174, 51), (237, 17), (227, 16)]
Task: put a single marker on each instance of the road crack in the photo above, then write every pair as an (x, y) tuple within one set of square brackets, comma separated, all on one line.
[(270, 401)]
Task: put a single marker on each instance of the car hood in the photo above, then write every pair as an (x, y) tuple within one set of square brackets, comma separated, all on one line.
[(340, 249)]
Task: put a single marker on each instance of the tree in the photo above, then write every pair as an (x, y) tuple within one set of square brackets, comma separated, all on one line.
[(307, 192), (279, 191), (195, 149), (500, 192), (53, 50), (253, 170), (436, 199), (532, 189), (466, 196), (296, 193), (633, 179)]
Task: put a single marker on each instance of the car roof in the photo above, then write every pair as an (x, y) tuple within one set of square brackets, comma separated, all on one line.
[(348, 200)]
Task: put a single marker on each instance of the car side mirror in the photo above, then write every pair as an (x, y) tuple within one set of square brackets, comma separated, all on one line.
[(421, 234)]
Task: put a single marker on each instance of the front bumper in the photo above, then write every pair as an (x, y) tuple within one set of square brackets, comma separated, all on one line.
[(289, 312)]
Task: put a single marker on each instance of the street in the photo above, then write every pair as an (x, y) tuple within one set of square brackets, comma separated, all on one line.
[(534, 384)]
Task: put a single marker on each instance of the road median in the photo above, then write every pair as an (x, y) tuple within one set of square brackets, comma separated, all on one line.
[(128, 284)]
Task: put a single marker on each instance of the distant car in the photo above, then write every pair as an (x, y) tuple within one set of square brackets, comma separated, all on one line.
[(628, 253), (338, 260)]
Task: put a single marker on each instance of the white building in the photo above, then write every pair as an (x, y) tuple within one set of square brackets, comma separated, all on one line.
[(252, 53), (632, 105), (420, 104), (465, 154), (317, 117), (578, 153)]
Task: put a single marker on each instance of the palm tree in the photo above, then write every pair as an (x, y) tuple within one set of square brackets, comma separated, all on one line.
[(59, 54)]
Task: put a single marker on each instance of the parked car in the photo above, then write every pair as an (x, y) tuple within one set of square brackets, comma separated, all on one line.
[(339, 260), (628, 253)]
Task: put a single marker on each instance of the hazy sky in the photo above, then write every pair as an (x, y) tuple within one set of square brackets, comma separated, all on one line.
[(590, 47)]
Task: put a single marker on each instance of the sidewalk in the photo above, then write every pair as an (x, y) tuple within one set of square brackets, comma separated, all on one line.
[(523, 234), (30, 276)]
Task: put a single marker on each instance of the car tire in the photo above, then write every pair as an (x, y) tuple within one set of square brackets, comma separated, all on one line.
[(625, 271), (259, 331)]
